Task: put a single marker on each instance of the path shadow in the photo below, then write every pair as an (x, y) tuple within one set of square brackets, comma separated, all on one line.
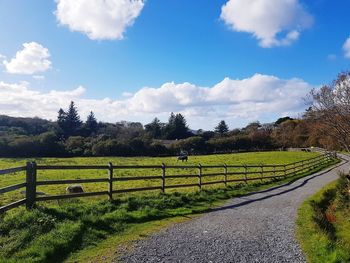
[(302, 183)]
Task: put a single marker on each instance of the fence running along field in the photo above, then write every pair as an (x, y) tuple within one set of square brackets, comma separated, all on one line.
[(228, 174)]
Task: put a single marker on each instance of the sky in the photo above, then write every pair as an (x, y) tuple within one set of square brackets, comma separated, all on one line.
[(233, 60)]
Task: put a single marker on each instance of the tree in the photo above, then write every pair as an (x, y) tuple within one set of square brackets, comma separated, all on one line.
[(331, 108), (91, 123), (195, 144), (75, 145), (281, 120), (61, 119), (154, 128), (252, 127), (222, 127), (176, 127), (73, 118), (69, 121)]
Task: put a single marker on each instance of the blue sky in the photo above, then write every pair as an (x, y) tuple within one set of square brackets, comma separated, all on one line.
[(210, 60)]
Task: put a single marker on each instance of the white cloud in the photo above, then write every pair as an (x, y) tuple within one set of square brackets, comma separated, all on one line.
[(346, 48), (272, 22), (38, 77), (127, 94), (260, 97), (99, 19), (31, 59)]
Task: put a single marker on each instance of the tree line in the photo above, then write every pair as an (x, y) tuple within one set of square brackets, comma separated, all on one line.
[(326, 123)]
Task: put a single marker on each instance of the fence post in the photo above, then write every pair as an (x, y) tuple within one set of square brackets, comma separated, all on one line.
[(262, 172), (294, 169), (245, 174), (200, 177), (274, 171), (302, 165), (285, 171), (225, 171), (163, 177), (110, 182), (31, 185)]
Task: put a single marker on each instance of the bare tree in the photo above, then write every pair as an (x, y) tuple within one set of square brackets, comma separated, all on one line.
[(331, 109)]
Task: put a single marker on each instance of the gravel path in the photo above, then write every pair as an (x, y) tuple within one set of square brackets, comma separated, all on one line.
[(255, 228)]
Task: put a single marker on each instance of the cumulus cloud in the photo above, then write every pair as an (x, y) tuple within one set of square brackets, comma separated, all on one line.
[(31, 59), (346, 48), (99, 19), (272, 22), (237, 101)]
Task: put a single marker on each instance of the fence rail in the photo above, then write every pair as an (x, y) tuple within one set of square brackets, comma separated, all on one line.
[(259, 172)]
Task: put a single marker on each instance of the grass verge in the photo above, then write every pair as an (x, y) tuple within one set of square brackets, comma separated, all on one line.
[(75, 229), (323, 225)]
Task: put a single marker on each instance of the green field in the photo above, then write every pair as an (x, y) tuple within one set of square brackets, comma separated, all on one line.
[(78, 230), (229, 159)]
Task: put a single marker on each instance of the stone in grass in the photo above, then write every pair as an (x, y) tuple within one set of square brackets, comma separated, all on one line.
[(74, 189)]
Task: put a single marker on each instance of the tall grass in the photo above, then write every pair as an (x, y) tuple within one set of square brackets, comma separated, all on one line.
[(323, 224)]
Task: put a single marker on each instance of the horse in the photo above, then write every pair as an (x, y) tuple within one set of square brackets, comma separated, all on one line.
[(182, 158)]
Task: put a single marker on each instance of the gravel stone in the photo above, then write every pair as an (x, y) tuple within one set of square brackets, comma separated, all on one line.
[(258, 227)]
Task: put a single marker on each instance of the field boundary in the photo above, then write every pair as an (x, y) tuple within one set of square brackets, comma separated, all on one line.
[(259, 172)]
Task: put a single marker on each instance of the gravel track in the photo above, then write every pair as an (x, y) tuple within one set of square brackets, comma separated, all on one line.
[(258, 227)]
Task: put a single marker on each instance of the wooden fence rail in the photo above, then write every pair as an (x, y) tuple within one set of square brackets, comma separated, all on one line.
[(259, 172)]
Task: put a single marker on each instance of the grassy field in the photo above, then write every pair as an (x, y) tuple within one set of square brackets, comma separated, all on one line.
[(323, 225), (79, 230), (229, 159)]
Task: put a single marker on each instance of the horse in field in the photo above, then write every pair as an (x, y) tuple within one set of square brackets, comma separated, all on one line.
[(182, 158)]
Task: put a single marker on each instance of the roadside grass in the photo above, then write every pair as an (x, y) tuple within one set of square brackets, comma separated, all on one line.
[(229, 159), (323, 225), (79, 231)]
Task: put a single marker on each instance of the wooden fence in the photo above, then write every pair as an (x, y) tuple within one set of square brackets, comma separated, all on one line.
[(259, 172)]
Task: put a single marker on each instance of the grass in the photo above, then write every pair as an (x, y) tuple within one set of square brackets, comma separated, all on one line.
[(323, 225), (78, 230), (234, 159)]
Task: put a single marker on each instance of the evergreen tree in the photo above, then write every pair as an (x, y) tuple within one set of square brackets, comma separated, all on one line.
[(171, 119), (91, 123), (176, 128), (222, 127), (69, 121), (73, 118), (154, 128), (61, 118), (181, 128)]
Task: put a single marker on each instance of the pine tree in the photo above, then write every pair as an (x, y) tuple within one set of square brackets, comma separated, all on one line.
[(154, 128), (181, 128), (91, 123), (61, 118), (171, 119), (222, 127), (69, 121), (176, 128)]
